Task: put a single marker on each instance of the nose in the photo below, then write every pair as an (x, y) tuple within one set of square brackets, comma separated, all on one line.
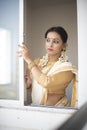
[(51, 43)]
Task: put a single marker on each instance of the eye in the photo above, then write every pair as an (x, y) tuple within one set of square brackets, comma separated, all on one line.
[(56, 41), (47, 40)]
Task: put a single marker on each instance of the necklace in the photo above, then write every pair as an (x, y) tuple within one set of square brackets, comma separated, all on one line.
[(44, 61)]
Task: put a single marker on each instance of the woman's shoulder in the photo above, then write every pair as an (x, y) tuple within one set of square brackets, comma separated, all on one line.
[(64, 66), (68, 66)]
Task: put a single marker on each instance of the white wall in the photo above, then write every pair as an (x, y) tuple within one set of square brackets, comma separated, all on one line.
[(82, 51), (32, 118), (47, 13)]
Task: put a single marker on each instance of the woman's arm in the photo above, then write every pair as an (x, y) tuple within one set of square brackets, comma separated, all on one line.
[(58, 79), (28, 81), (24, 52), (42, 79)]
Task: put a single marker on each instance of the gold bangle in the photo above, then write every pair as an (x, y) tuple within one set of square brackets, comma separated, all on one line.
[(31, 65)]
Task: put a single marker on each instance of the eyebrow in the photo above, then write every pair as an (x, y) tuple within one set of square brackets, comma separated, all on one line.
[(53, 38)]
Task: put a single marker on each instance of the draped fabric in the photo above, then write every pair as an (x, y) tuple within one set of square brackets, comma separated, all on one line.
[(41, 88)]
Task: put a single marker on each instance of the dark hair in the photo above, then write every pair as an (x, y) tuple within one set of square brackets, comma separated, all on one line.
[(59, 30)]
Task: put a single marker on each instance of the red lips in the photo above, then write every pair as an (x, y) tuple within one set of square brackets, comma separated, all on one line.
[(50, 49)]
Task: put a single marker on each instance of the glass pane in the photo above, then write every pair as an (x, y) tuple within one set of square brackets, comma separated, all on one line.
[(9, 38), (5, 56)]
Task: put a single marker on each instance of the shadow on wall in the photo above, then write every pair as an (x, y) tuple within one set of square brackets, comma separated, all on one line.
[(77, 122)]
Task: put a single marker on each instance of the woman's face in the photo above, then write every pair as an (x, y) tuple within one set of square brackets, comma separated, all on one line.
[(54, 44)]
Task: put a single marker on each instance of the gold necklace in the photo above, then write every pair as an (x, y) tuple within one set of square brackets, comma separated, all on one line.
[(44, 61)]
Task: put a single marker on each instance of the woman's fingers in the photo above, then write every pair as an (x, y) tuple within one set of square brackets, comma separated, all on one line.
[(19, 53), (24, 52), (21, 47), (24, 46), (26, 78)]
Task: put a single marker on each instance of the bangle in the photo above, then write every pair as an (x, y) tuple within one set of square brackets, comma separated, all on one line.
[(31, 65)]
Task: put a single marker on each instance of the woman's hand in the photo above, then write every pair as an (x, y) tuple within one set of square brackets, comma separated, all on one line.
[(28, 81), (24, 52)]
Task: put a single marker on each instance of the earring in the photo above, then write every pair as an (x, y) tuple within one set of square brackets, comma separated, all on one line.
[(63, 53), (63, 57)]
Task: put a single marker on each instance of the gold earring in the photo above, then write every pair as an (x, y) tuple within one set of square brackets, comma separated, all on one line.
[(63, 57), (63, 53)]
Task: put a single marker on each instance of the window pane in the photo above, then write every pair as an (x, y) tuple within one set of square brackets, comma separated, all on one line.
[(5, 57), (9, 38)]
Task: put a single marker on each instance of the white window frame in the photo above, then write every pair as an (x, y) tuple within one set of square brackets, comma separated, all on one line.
[(82, 64)]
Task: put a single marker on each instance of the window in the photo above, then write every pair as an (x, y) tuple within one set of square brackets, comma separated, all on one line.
[(11, 25), (11, 34)]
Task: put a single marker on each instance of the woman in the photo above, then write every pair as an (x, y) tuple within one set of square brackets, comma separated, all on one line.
[(51, 75)]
